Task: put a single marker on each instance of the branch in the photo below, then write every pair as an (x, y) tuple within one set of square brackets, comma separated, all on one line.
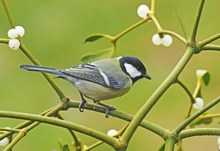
[(115, 38), (26, 129), (124, 116), (4, 40), (189, 94), (182, 39), (210, 116), (155, 21), (152, 7), (170, 144), (196, 24), (93, 146), (13, 130), (28, 123), (65, 124), (161, 31), (195, 115), (20, 135), (11, 22), (211, 47), (186, 90), (209, 40), (198, 132)]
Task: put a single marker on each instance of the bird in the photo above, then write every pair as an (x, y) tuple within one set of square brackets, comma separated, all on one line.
[(100, 80)]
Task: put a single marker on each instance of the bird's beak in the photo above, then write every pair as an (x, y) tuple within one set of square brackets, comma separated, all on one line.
[(146, 76)]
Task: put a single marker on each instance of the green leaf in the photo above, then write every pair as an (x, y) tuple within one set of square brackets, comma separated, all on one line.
[(95, 37), (61, 144), (105, 53), (162, 148), (203, 75), (66, 148)]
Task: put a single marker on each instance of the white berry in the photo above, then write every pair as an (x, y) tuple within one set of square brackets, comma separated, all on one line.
[(142, 11), (156, 39), (4, 141), (14, 44), (12, 33), (167, 40), (218, 141), (112, 133), (199, 103), (20, 30)]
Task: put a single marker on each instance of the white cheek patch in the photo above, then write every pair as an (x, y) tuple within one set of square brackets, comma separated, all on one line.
[(131, 70)]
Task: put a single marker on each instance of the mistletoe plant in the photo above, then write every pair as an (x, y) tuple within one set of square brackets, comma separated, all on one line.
[(119, 140)]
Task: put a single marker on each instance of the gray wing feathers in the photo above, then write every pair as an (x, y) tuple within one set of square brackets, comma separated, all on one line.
[(92, 73)]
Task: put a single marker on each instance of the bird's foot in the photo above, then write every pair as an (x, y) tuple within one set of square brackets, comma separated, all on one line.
[(82, 103), (81, 106), (108, 109)]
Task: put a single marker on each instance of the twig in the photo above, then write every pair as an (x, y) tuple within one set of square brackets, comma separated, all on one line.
[(196, 24), (195, 115), (198, 132)]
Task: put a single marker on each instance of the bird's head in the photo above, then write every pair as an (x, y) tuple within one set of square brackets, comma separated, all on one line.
[(133, 67)]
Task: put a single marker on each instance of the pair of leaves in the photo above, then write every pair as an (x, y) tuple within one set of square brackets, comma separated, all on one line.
[(105, 53)]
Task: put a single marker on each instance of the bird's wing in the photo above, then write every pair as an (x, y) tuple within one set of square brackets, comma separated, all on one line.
[(91, 73)]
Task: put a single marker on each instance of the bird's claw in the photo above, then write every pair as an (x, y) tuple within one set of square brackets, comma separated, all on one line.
[(81, 106), (108, 110)]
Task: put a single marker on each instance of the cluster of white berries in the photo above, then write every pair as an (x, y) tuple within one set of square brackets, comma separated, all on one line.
[(15, 34), (165, 40), (143, 11), (4, 141), (199, 103)]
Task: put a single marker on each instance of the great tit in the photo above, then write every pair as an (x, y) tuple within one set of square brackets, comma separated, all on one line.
[(100, 80)]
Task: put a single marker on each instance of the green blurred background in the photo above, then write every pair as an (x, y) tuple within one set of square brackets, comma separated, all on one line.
[(55, 31)]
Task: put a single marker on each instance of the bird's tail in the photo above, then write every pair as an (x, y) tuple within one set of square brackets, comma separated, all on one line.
[(41, 69)]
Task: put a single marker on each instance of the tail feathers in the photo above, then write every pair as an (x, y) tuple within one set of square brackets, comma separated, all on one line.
[(41, 69)]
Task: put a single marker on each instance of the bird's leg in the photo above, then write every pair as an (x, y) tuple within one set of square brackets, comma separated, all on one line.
[(108, 108), (82, 103)]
